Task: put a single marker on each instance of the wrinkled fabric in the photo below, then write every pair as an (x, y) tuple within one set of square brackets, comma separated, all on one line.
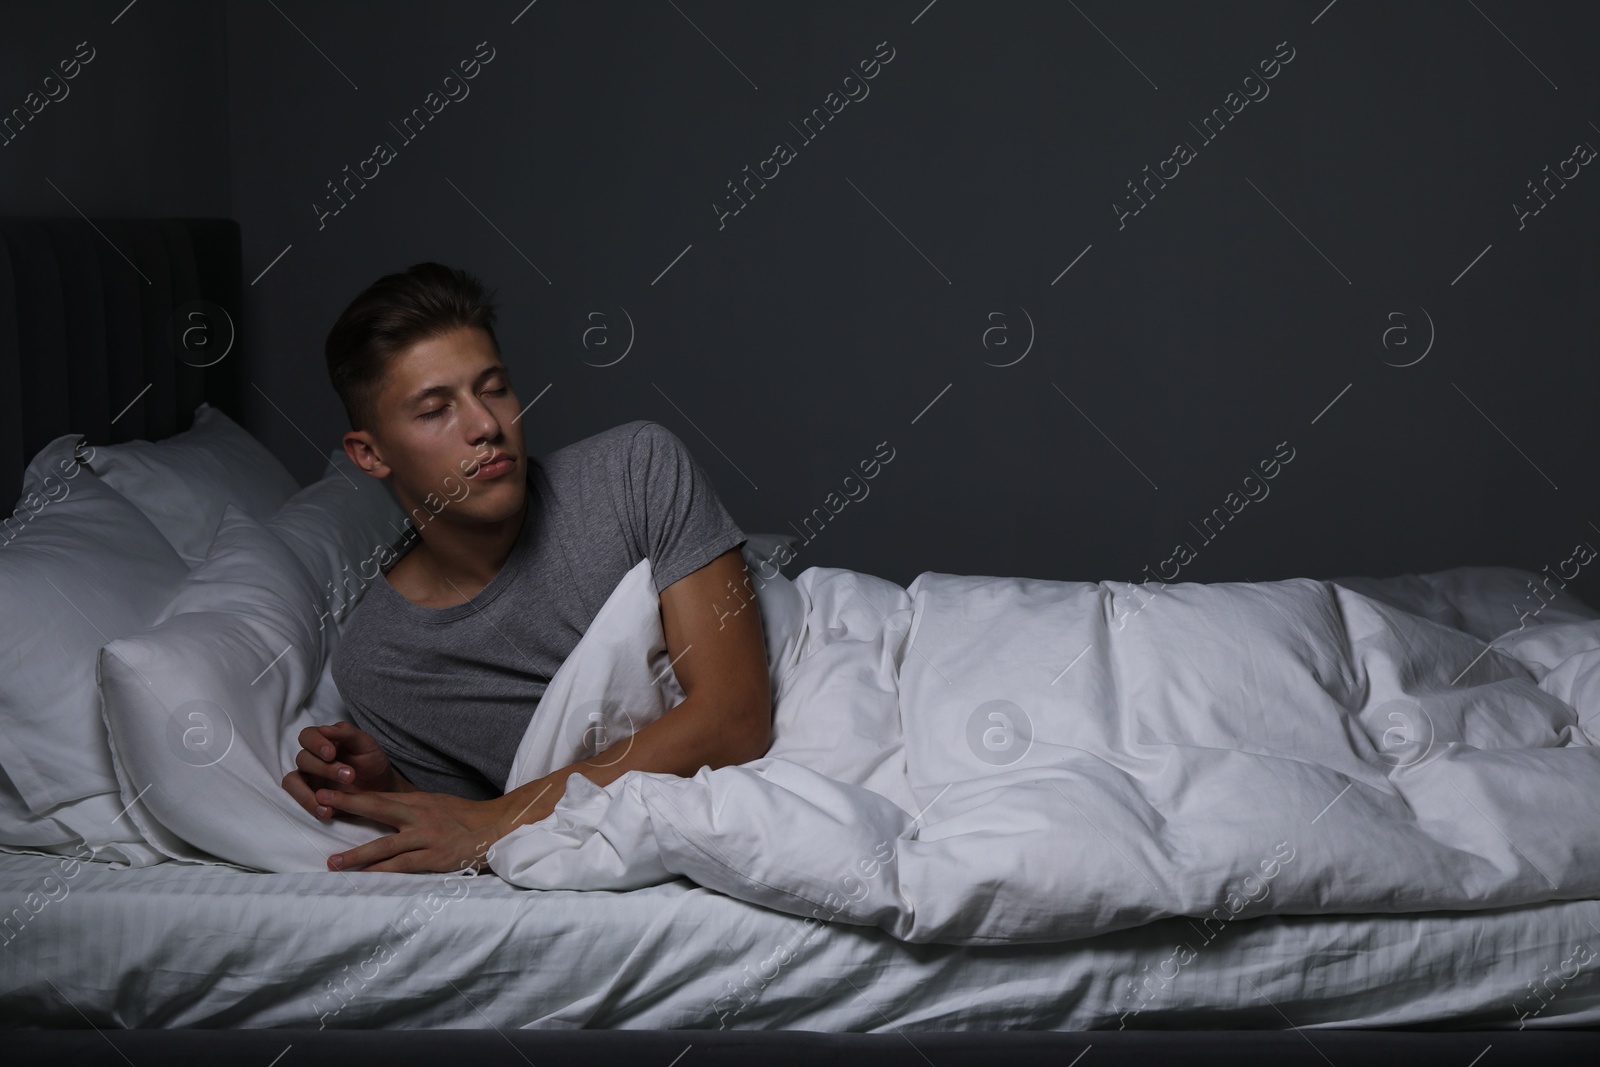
[(977, 760)]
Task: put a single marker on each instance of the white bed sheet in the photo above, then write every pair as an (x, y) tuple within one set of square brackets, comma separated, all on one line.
[(176, 945)]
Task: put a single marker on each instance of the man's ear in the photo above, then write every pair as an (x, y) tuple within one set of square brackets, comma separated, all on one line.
[(362, 449)]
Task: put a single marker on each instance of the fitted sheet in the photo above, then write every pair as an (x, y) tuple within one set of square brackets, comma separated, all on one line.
[(179, 945)]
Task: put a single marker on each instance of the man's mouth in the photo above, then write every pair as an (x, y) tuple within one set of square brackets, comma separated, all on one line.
[(496, 465)]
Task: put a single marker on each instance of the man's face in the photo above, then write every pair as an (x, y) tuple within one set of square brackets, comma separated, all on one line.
[(444, 407)]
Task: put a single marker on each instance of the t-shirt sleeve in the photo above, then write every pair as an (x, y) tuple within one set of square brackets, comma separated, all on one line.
[(674, 511)]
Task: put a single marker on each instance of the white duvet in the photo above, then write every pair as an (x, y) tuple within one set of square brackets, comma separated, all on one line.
[(980, 760)]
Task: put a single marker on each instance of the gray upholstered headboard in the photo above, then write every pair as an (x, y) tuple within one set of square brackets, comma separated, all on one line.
[(92, 320)]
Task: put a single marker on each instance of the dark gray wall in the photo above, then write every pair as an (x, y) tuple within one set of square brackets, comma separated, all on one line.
[(141, 131), (1370, 194)]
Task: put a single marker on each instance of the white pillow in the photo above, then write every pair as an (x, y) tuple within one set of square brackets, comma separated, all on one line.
[(23, 831), (204, 706), (79, 566), (183, 482), (343, 528)]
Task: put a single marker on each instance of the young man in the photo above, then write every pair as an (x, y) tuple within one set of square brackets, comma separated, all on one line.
[(446, 657)]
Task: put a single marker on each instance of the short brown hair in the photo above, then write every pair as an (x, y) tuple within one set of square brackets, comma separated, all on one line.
[(392, 314)]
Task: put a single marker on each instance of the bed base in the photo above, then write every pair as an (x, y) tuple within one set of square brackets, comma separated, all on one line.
[(783, 1048)]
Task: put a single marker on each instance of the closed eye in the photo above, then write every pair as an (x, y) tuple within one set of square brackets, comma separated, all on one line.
[(436, 412)]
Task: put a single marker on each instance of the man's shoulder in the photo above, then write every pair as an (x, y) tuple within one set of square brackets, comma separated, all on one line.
[(620, 437), (616, 445)]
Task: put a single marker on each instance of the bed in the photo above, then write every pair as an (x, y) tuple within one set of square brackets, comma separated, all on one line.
[(123, 377)]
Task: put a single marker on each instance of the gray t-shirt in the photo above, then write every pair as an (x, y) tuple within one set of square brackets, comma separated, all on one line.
[(448, 692)]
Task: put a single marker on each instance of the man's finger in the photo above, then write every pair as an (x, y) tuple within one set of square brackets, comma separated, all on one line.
[(297, 787), (380, 806), (375, 851), (312, 739), (322, 769), (353, 739), (410, 862)]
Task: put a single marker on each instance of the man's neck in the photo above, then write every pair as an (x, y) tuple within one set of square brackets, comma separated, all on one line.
[(452, 563)]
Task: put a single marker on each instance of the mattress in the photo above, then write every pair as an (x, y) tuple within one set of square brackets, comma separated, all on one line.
[(180, 945)]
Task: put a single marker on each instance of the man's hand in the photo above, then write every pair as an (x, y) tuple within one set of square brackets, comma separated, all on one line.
[(340, 757), (437, 831)]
